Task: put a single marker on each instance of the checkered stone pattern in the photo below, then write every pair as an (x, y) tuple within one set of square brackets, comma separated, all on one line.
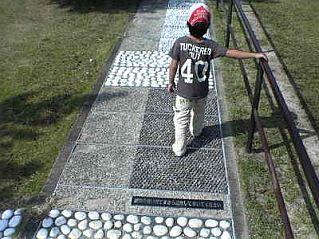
[(141, 69)]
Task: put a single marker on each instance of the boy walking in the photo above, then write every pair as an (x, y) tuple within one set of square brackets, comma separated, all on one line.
[(191, 55)]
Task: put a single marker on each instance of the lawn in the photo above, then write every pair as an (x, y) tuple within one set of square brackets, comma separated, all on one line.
[(261, 207), (51, 54)]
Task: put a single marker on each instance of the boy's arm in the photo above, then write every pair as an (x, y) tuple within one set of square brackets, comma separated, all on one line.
[(243, 54), (172, 72)]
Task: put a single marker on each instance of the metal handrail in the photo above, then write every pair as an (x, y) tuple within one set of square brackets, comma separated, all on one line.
[(263, 68)]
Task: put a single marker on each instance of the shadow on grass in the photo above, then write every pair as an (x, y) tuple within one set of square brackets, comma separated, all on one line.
[(104, 6), (22, 122)]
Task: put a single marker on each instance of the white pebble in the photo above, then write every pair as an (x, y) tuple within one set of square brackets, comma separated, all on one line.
[(9, 232), (42, 233), (3, 224), (195, 223), (114, 234), (146, 220), (61, 237), (7, 214), (211, 223), (128, 227), (119, 217), (224, 224), (88, 233), (182, 221), (94, 215), (189, 232), (175, 231), (147, 230), (96, 225), (19, 211), (204, 232), (160, 230), (159, 220), (67, 213), (169, 222), (127, 236), (132, 219), (72, 222), (137, 226), (225, 235), (106, 216), (47, 222), (83, 225), (15, 221), (137, 235), (216, 232), (99, 234), (118, 224), (60, 221), (75, 233), (151, 237), (80, 216), (54, 232), (65, 229), (108, 225)]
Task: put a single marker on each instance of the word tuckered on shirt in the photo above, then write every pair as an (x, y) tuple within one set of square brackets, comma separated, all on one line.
[(195, 52)]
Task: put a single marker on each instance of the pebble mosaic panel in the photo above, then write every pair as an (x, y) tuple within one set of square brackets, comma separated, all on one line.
[(9, 221), (156, 168), (79, 224)]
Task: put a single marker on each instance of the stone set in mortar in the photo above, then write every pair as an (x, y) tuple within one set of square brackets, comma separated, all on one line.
[(141, 68), (9, 221), (74, 225)]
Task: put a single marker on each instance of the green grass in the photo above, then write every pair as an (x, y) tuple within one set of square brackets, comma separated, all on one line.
[(292, 26), (51, 55), (261, 207)]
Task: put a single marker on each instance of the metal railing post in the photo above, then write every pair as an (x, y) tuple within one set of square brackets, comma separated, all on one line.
[(255, 104), (229, 22)]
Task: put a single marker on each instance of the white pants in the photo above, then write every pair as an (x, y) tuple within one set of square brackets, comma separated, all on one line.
[(187, 113)]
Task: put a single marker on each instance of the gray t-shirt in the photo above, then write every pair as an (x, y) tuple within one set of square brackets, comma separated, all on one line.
[(194, 65)]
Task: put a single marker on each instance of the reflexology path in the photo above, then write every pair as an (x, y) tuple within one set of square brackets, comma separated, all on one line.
[(121, 179)]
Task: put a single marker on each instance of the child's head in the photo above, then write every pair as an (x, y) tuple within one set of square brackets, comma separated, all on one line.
[(198, 20)]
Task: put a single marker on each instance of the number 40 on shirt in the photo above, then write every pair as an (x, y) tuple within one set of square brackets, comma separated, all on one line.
[(200, 69)]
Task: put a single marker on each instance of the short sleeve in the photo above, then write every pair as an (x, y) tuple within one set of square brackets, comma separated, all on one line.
[(175, 51), (217, 50)]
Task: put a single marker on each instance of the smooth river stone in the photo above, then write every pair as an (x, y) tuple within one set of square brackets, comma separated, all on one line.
[(75, 234), (54, 232), (160, 230), (132, 219), (211, 223), (216, 232), (175, 231), (137, 235), (118, 224), (47, 222), (195, 223), (146, 220), (72, 222), (94, 215), (83, 225), (99, 234), (147, 230), (189, 232), (9, 232), (204, 232), (67, 213), (182, 221), (106, 216), (224, 224), (60, 221), (128, 227), (88, 233), (15, 221), (127, 236), (42, 234), (61, 237), (96, 225), (113, 234), (80, 216), (65, 229), (119, 217), (108, 225), (137, 226), (159, 220), (169, 222), (19, 211), (7, 214), (3, 224)]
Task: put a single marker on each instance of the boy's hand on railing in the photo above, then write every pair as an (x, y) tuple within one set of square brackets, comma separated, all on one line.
[(261, 56), (171, 88)]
